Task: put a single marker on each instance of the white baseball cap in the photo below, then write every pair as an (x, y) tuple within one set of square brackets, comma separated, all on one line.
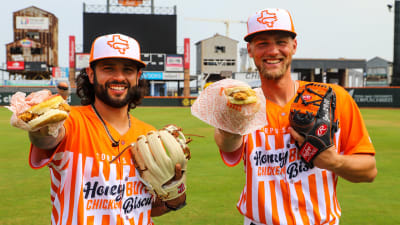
[(115, 46), (269, 20)]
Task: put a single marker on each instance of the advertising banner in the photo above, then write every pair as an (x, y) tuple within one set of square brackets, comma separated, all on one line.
[(82, 60), (32, 23), (35, 66), (174, 63), (173, 76), (152, 75), (187, 53), (71, 51), (154, 61), (130, 2), (15, 65), (60, 72)]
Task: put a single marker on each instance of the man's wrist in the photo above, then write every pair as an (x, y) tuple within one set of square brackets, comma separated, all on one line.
[(174, 208)]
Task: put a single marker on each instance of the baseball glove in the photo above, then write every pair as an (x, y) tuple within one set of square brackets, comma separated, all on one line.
[(155, 156), (312, 115)]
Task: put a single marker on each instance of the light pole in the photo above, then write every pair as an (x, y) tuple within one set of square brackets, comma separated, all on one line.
[(396, 44)]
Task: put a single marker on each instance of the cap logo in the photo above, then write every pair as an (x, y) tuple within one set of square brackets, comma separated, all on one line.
[(267, 18), (118, 43)]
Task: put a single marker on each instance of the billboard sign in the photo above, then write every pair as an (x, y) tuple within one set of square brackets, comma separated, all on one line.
[(174, 63), (71, 51), (154, 61), (32, 23), (130, 2), (60, 72), (82, 60), (187, 52), (26, 43), (152, 75), (35, 66), (173, 76), (15, 65)]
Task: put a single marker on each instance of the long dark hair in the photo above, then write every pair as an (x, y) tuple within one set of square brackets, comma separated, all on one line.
[(85, 90)]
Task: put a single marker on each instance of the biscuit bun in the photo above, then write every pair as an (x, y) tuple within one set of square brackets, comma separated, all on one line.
[(52, 110), (241, 95)]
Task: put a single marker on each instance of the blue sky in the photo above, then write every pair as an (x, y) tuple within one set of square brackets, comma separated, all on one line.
[(355, 29)]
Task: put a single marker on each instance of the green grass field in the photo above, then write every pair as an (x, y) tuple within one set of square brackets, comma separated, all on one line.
[(213, 188)]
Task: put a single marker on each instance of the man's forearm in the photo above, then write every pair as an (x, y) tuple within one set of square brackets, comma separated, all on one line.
[(357, 168), (226, 141)]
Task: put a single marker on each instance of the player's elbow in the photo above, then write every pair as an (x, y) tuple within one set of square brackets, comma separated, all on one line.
[(371, 176)]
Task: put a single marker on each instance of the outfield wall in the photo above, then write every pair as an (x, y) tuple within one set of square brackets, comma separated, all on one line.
[(7, 92), (365, 97), (376, 96)]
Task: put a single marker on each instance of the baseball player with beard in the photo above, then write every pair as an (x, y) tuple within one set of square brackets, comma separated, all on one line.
[(287, 183), (86, 188)]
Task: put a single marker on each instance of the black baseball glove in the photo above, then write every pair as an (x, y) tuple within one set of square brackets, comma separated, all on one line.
[(312, 115)]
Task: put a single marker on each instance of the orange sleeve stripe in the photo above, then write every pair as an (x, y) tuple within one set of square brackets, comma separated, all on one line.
[(314, 197), (287, 206), (261, 202), (231, 159), (274, 204), (302, 202)]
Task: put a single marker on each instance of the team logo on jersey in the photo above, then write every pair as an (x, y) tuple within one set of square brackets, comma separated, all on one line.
[(267, 18), (321, 130), (118, 43)]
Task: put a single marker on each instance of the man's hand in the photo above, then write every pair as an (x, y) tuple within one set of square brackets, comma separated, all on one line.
[(43, 140), (328, 159), (160, 207)]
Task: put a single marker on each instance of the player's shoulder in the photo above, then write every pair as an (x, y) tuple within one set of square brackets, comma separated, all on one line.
[(141, 125), (80, 110)]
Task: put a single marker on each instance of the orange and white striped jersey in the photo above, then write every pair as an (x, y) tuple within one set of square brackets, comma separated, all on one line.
[(85, 188), (280, 188)]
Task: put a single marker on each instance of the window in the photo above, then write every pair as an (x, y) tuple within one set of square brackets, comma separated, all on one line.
[(16, 50), (33, 35), (219, 49), (36, 51)]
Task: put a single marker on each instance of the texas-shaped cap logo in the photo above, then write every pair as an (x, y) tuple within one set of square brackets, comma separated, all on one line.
[(267, 18), (118, 44)]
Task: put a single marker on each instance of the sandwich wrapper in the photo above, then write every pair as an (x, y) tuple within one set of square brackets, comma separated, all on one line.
[(20, 103), (213, 107)]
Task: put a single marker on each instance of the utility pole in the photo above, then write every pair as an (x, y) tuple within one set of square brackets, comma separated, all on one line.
[(396, 45)]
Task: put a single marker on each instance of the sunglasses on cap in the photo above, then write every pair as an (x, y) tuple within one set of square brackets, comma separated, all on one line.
[(62, 88)]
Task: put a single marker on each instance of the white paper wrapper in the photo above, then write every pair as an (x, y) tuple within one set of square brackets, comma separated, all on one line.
[(19, 104), (213, 107)]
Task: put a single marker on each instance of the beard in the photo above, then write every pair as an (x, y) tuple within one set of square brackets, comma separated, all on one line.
[(100, 91), (276, 74)]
